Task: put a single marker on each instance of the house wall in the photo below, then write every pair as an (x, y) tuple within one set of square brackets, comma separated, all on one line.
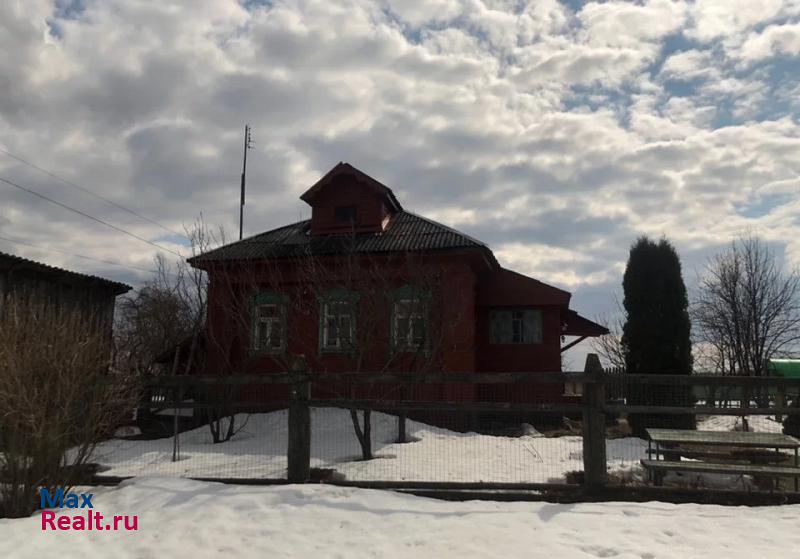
[(459, 326), (542, 357), (510, 290), (452, 323)]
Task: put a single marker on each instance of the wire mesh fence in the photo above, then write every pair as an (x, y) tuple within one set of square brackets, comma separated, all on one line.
[(421, 433), (516, 430)]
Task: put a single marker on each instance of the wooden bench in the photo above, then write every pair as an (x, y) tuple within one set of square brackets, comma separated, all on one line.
[(663, 466), (750, 455), (715, 448)]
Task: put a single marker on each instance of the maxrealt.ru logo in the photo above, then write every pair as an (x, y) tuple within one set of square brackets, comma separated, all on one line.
[(92, 520)]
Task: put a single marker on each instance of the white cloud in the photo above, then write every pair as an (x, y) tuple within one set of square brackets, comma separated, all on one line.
[(626, 23), (689, 65), (556, 135), (419, 12), (729, 18), (775, 39)]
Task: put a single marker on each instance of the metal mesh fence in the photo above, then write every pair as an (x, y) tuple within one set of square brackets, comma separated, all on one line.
[(431, 439), (503, 433)]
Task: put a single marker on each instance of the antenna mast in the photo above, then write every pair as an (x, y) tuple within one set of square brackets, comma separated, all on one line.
[(248, 144)]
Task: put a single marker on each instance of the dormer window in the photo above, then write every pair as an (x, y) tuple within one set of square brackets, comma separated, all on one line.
[(345, 214), (347, 200)]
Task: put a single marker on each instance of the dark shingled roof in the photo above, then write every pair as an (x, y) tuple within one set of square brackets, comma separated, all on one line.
[(12, 262), (406, 232)]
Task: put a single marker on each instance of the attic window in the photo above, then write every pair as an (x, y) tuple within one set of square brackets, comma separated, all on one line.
[(345, 214)]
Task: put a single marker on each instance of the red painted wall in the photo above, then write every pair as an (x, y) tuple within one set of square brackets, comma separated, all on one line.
[(452, 327), (460, 327)]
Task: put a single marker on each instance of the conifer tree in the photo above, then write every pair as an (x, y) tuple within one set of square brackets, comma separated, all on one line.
[(656, 334)]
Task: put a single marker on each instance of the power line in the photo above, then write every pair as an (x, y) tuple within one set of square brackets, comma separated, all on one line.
[(31, 245), (84, 214), (89, 192)]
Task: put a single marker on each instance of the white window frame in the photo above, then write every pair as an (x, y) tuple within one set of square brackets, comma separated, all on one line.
[(273, 324), (416, 310), (342, 343)]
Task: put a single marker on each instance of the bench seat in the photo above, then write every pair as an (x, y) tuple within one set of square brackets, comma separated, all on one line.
[(712, 468)]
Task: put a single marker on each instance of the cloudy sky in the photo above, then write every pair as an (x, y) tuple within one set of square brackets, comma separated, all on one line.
[(557, 132)]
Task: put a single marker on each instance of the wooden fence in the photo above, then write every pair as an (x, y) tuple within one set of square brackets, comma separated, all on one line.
[(602, 394)]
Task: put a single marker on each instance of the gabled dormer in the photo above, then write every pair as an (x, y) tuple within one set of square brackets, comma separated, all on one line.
[(346, 200)]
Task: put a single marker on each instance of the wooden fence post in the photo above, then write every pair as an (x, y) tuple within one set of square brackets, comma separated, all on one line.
[(402, 416), (780, 402), (298, 448), (594, 426), (176, 442)]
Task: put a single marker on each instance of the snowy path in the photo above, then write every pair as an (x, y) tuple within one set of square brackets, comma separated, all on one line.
[(187, 519)]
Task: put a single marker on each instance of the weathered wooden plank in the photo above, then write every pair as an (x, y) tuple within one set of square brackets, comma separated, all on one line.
[(723, 438), (698, 410), (481, 378), (710, 380), (452, 485), (715, 468), (448, 406), (377, 378)]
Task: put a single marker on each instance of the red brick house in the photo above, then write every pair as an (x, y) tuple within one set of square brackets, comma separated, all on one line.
[(365, 285)]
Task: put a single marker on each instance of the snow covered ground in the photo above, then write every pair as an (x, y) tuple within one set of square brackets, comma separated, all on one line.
[(179, 518), (436, 454), (259, 451), (756, 423)]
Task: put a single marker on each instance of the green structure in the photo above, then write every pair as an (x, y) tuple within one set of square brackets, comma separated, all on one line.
[(788, 368)]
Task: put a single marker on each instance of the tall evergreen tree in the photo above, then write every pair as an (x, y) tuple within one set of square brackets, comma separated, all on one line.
[(656, 334)]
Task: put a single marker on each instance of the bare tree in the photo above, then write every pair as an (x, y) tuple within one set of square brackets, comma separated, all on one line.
[(168, 317), (610, 347), (59, 396), (155, 318), (747, 309)]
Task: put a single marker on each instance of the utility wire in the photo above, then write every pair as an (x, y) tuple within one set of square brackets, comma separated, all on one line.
[(31, 245), (84, 214), (89, 192)]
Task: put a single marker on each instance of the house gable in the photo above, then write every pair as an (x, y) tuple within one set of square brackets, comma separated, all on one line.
[(508, 288), (346, 200)]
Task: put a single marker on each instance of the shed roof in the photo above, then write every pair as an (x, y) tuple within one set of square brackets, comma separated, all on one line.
[(577, 325), (11, 262)]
